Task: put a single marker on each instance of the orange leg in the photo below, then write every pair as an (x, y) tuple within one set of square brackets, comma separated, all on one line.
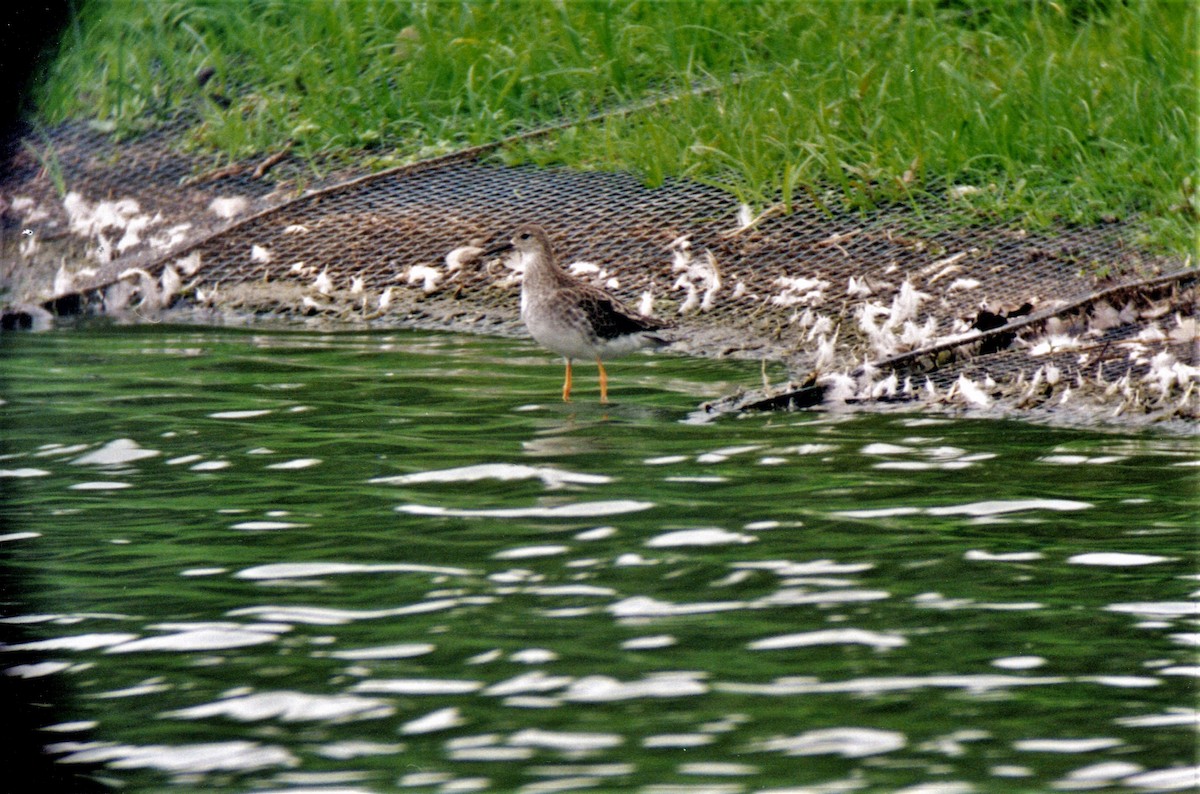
[(603, 382), (567, 384)]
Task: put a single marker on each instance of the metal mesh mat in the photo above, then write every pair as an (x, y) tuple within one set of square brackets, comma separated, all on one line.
[(91, 198), (829, 291)]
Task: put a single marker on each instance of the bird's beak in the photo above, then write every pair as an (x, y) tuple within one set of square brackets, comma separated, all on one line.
[(498, 249)]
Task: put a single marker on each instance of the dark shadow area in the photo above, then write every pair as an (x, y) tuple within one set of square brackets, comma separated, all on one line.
[(28, 704), (28, 35)]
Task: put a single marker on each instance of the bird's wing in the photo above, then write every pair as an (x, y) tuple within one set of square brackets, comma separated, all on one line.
[(611, 318)]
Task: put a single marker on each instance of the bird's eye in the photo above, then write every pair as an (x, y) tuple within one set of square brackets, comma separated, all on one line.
[(524, 235)]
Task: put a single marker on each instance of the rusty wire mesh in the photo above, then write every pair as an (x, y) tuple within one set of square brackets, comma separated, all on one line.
[(825, 289)]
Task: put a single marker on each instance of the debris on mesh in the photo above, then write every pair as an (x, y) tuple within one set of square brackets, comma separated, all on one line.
[(1127, 354), (871, 308)]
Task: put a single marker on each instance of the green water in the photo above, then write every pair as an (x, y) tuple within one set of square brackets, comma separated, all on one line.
[(304, 562)]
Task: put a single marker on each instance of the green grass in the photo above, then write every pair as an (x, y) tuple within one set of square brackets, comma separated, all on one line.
[(1065, 112)]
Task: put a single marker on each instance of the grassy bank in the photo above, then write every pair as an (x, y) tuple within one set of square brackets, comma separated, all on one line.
[(1059, 112)]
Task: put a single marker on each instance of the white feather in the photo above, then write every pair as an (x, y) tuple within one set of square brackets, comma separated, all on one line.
[(323, 283), (971, 393), (461, 255), (646, 305)]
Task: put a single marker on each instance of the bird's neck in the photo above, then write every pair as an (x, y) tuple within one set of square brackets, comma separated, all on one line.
[(541, 271)]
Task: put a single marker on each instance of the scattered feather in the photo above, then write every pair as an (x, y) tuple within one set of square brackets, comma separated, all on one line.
[(134, 229), (188, 265), (142, 284), (1186, 330), (228, 207), (822, 325), (971, 393), (580, 269), (87, 219), (712, 282), (745, 216), (949, 270), (886, 387), (1156, 310), (840, 387), (940, 266), (29, 245), (171, 282), (858, 287), (681, 254), (694, 277), (461, 256), (1055, 344), (117, 296), (748, 220), (802, 291), (1151, 333), (693, 295), (914, 337), (826, 353), (323, 283), (170, 237), (428, 277), (905, 304), (1104, 316), (64, 282), (103, 251)]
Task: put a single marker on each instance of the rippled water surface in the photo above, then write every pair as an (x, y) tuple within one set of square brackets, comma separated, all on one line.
[(291, 561)]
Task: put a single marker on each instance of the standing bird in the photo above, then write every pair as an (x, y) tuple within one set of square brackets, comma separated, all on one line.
[(573, 319)]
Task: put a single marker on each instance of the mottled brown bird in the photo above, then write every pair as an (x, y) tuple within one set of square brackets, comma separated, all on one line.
[(569, 317)]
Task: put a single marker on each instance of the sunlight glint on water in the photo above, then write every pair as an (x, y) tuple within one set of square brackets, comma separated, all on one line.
[(396, 562)]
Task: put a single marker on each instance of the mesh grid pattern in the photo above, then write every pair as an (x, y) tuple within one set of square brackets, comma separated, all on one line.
[(861, 287)]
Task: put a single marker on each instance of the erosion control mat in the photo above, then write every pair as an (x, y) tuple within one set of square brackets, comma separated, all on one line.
[(864, 308)]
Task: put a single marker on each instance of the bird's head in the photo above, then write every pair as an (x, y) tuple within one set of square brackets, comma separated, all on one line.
[(528, 237)]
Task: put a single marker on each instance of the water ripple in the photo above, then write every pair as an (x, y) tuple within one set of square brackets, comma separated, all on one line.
[(551, 477), (417, 686), (874, 686), (846, 742), (439, 720), (603, 688), (296, 570), (178, 759), (874, 639), (329, 616), (115, 453), (196, 640), (289, 707), (815, 603), (576, 510), (977, 509), (713, 536)]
